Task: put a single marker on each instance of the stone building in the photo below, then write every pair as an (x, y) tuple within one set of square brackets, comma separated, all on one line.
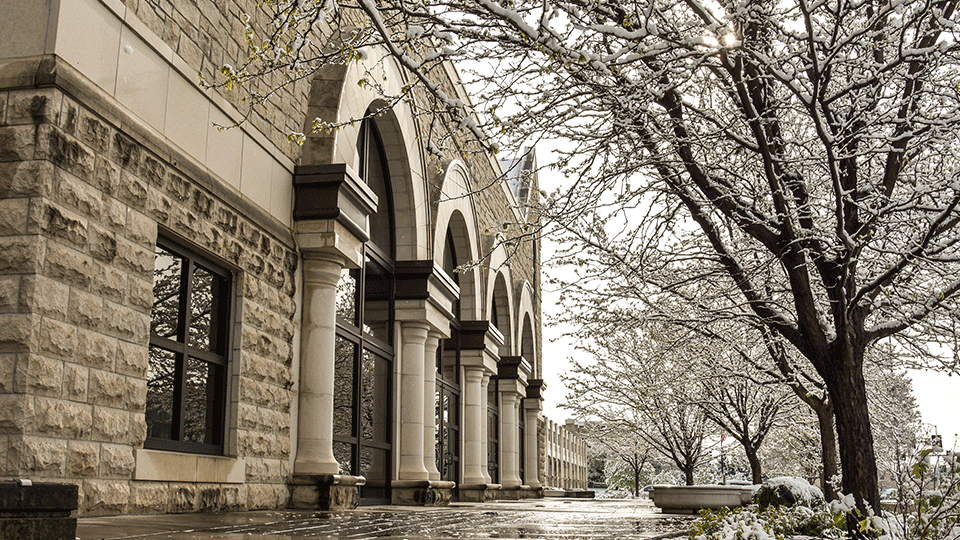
[(194, 319), (566, 464)]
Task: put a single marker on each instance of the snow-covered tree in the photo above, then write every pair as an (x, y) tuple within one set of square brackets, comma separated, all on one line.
[(628, 459), (634, 385), (802, 153)]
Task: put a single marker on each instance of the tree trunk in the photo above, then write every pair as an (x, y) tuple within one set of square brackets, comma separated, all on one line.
[(848, 395), (688, 475), (754, 464), (828, 449), (636, 482)]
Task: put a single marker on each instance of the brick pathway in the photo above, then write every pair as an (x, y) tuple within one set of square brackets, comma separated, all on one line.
[(548, 519)]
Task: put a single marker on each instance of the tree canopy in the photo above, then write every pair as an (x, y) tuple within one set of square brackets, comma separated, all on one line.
[(793, 161)]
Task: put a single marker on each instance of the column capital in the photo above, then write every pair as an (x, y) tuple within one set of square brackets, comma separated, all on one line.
[(535, 388), (426, 293), (330, 211), (414, 331), (513, 367)]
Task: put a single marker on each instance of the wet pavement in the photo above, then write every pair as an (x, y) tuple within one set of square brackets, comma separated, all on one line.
[(541, 519)]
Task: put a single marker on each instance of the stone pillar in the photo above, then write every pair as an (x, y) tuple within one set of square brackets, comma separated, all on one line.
[(321, 273), (509, 441), (412, 413), (474, 461), (331, 206), (532, 466), (485, 426), (430, 405)]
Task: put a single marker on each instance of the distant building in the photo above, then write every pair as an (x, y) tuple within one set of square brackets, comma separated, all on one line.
[(566, 464), (196, 320)]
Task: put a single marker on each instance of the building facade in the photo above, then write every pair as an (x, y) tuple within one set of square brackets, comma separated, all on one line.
[(566, 465), (198, 319)]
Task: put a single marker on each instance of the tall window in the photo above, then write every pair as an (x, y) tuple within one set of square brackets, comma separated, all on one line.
[(493, 431), (493, 413), (448, 383), (364, 342), (186, 374)]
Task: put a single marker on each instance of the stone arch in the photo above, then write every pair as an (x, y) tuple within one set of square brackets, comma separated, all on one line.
[(333, 100), (526, 336), (455, 212), (501, 297)]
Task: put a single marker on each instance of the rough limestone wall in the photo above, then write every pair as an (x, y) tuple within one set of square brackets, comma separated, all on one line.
[(80, 204)]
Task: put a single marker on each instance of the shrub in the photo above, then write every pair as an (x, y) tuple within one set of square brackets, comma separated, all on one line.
[(774, 522), (788, 491)]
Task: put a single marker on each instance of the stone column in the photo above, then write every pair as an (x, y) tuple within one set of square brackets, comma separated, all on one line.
[(474, 461), (509, 449), (485, 426), (321, 273), (430, 405), (532, 465), (414, 337)]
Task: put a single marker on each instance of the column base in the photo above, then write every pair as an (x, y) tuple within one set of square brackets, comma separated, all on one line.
[(478, 492), (421, 492), (530, 492), (510, 493), (325, 491)]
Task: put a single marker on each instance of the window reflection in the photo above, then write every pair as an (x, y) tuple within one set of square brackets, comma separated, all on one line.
[(378, 293), (167, 272), (161, 373), (344, 454), (374, 392), (347, 295), (343, 387), (204, 302), (200, 400)]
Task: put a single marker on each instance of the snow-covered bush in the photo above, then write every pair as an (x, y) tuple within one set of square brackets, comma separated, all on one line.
[(788, 491), (928, 503), (775, 522)]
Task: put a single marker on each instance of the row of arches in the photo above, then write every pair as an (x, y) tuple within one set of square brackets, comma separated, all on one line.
[(424, 394)]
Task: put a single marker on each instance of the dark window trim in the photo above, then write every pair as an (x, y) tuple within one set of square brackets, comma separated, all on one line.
[(182, 350)]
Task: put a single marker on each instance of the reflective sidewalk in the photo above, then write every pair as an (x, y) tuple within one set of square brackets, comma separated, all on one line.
[(547, 519)]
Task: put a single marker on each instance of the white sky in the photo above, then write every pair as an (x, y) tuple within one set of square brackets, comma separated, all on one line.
[(938, 397)]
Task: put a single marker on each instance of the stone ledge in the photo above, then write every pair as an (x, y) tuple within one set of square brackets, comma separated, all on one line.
[(163, 466)]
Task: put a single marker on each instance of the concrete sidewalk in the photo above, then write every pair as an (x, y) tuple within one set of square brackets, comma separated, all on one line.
[(566, 519)]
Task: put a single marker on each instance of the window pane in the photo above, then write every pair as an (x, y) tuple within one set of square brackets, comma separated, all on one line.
[(161, 378), (205, 301), (374, 392), (344, 454), (373, 466), (347, 295), (343, 388), (167, 273), (448, 360), (200, 402), (454, 409), (378, 290)]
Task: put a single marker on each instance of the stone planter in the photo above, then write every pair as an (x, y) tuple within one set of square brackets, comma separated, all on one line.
[(40, 511), (690, 499)]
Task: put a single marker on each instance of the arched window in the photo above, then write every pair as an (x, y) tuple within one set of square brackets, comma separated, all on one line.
[(447, 417), (365, 341), (493, 413)]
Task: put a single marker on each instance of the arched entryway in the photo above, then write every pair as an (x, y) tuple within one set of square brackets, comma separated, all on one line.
[(365, 349)]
